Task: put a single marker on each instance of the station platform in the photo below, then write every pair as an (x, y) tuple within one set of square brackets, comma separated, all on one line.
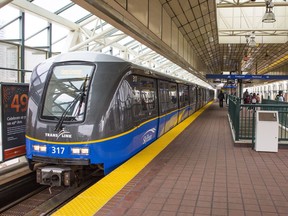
[(201, 172)]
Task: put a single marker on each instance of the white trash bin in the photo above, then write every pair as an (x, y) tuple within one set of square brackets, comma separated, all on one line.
[(266, 136)]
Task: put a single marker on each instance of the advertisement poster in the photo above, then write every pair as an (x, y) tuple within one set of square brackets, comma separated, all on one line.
[(14, 101)]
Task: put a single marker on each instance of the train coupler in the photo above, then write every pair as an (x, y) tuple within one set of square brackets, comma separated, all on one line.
[(55, 176)]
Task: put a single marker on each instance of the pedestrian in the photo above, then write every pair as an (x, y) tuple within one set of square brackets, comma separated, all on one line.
[(221, 98)]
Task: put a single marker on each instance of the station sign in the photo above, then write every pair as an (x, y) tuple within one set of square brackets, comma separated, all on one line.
[(247, 76), (14, 101)]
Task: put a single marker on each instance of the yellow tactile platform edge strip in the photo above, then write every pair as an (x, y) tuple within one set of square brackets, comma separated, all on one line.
[(94, 198)]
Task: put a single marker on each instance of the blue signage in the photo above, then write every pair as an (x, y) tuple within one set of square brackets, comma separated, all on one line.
[(247, 76)]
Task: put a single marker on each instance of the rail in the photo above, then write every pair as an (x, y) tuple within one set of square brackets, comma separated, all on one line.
[(243, 118)]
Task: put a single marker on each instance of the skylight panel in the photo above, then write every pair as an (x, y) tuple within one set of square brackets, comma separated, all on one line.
[(74, 13), (51, 5)]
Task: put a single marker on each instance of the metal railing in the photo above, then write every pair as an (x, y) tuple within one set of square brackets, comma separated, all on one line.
[(243, 118)]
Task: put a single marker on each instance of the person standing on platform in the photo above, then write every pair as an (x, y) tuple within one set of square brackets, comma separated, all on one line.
[(221, 98)]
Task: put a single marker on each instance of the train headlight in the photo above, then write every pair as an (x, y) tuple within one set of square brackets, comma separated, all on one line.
[(85, 151), (43, 148), (36, 147), (75, 150), (39, 148), (80, 151)]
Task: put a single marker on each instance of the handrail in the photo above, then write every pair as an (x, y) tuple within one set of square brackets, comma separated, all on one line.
[(243, 118)]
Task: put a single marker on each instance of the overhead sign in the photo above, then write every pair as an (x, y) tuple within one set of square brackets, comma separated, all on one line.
[(247, 76), (229, 86)]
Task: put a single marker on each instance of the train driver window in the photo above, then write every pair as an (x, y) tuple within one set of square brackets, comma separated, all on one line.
[(67, 91)]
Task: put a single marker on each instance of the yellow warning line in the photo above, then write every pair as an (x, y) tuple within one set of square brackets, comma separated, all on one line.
[(94, 198)]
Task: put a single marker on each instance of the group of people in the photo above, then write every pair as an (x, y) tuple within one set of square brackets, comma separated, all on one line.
[(280, 97), (251, 98)]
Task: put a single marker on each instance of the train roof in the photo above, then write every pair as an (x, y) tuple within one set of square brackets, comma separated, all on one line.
[(86, 56), (95, 57)]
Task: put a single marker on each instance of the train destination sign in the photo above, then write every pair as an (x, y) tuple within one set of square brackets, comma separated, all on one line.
[(247, 76)]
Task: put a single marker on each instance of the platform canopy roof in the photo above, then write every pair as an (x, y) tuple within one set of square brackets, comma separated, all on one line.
[(220, 32)]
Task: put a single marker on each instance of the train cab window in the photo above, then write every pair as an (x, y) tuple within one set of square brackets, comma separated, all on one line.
[(66, 94)]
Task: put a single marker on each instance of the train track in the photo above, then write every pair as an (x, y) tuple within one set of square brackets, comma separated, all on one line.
[(44, 200)]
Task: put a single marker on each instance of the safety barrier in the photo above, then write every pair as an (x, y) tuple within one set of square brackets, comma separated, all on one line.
[(243, 118)]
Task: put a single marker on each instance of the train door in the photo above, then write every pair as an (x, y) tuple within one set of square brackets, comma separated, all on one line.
[(183, 92), (145, 109), (163, 105), (168, 106), (171, 118), (192, 99)]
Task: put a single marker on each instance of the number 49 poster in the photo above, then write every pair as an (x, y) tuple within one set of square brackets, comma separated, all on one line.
[(14, 101)]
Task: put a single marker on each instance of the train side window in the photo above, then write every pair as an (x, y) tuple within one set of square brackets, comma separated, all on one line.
[(148, 93), (173, 96), (183, 95), (144, 97)]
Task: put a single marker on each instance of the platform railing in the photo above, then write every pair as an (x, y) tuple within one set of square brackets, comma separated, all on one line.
[(243, 118)]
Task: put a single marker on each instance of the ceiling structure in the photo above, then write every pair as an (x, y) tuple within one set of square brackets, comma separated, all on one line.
[(218, 31)]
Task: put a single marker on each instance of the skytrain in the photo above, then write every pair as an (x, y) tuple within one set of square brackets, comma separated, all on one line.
[(91, 111)]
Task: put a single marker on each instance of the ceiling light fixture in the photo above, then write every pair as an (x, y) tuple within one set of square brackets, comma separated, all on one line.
[(269, 16), (250, 40)]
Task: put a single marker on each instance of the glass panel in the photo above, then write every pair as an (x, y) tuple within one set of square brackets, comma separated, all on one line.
[(74, 13), (53, 5), (33, 58), (38, 24), (8, 59), (7, 14), (66, 92), (173, 96), (147, 93), (59, 34)]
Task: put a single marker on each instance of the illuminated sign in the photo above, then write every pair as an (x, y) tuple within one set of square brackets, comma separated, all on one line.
[(14, 101), (247, 76)]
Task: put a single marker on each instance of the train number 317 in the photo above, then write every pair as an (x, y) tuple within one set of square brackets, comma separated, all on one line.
[(58, 150)]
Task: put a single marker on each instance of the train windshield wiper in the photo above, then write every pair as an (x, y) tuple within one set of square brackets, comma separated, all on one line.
[(80, 97)]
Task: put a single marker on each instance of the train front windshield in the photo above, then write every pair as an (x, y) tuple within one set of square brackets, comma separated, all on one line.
[(66, 93)]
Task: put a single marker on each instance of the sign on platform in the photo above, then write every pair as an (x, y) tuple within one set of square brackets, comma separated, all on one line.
[(247, 76), (14, 101)]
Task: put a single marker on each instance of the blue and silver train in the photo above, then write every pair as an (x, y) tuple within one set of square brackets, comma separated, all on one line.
[(90, 111)]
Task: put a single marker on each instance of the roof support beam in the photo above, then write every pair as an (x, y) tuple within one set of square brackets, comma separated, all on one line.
[(228, 4), (4, 2), (156, 35), (51, 17)]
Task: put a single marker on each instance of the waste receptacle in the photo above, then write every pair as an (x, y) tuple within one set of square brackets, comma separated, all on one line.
[(266, 137)]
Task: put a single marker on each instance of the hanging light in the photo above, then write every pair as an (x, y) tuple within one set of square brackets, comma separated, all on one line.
[(269, 16), (252, 42)]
